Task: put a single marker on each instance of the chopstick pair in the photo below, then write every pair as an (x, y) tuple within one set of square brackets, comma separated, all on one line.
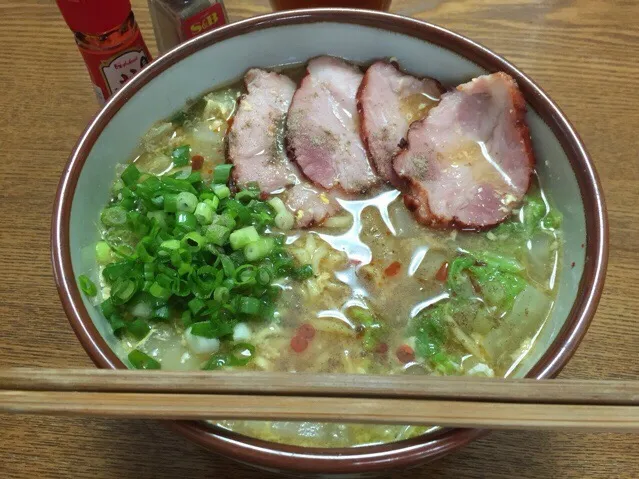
[(420, 400)]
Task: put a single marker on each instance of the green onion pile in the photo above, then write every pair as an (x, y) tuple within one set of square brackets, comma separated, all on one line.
[(177, 248)]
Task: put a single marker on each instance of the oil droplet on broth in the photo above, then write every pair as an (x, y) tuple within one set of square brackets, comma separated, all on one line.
[(351, 242)]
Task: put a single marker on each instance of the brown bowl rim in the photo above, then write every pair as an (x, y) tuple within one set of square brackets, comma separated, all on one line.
[(275, 456)]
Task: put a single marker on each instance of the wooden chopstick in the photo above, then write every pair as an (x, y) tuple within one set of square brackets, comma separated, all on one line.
[(459, 402), (558, 391)]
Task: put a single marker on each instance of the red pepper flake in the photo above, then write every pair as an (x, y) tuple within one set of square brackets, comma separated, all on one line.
[(572, 265), (442, 272), (299, 343), (582, 245), (405, 354), (306, 331), (196, 162), (393, 268), (354, 262), (264, 196), (382, 348)]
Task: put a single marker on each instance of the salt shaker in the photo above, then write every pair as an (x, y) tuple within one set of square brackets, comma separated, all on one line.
[(175, 21)]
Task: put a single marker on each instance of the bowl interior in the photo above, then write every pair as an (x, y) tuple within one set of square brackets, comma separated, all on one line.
[(225, 61)]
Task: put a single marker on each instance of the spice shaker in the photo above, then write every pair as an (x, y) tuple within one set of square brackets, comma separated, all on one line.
[(109, 40), (175, 21)]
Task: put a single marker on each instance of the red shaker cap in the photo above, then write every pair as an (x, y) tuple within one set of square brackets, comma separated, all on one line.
[(94, 16)]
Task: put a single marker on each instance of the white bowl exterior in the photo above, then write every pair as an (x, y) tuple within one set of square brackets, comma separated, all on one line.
[(226, 61)]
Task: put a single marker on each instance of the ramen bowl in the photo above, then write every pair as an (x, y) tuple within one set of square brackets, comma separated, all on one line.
[(223, 56)]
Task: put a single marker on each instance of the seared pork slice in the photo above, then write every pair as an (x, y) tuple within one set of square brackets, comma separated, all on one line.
[(257, 151), (323, 127), (256, 138), (469, 162), (388, 102)]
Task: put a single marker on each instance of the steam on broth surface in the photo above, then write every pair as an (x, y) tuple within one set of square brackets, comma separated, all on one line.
[(370, 291)]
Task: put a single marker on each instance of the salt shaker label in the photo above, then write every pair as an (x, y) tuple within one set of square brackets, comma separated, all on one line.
[(207, 19)]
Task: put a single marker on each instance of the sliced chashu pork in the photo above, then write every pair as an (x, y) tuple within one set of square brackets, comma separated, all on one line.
[(388, 102), (470, 161), (256, 148), (323, 127), (255, 138)]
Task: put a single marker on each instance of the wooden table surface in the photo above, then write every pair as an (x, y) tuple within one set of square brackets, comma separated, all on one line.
[(584, 53)]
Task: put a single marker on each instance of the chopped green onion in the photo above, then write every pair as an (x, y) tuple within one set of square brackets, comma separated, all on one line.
[(264, 275), (249, 305), (196, 305), (285, 220), (245, 274), (141, 360), (176, 185), (304, 272), (227, 266), (245, 196), (204, 213), (162, 313), (204, 329), (181, 257), (187, 319), (170, 202), (113, 216), (221, 191), (241, 354), (213, 202), (149, 271), (180, 287), (117, 323), (170, 245), (217, 234), (193, 241), (215, 362), (130, 175), (103, 252), (258, 249), (159, 217), (242, 237), (159, 291), (221, 173), (107, 307), (143, 253), (170, 235), (185, 221), (123, 290), (138, 328), (186, 201), (194, 177), (277, 204), (87, 286), (181, 156), (221, 294), (225, 220)]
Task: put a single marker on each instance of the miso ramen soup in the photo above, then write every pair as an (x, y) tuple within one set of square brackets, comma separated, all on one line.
[(198, 272)]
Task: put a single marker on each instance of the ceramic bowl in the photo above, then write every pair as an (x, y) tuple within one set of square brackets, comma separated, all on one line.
[(224, 55)]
